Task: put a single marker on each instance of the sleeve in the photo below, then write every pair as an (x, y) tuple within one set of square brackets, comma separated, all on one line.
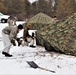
[(24, 33), (13, 35)]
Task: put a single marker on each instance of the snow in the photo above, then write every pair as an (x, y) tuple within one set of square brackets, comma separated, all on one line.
[(32, 1), (17, 65)]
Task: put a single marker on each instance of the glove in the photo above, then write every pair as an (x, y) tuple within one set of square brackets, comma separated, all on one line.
[(13, 42), (19, 41), (33, 34), (26, 40)]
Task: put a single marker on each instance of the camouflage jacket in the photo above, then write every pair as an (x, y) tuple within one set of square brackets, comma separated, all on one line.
[(26, 33)]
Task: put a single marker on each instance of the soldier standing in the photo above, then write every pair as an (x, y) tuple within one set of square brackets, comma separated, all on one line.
[(9, 35)]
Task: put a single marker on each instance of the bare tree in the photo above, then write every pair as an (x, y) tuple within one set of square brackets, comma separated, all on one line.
[(3, 9), (64, 7), (27, 8)]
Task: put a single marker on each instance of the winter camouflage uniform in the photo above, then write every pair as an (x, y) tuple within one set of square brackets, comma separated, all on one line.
[(30, 40), (9, 33)]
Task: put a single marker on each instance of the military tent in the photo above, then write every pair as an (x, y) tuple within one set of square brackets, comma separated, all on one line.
[(61, 36), (38, 21)]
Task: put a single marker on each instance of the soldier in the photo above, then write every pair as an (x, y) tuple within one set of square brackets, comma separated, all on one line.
[(9, 35), (28, 38), (55, 20)]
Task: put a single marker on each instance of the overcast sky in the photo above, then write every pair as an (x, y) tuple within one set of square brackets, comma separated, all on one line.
[(32, 0)]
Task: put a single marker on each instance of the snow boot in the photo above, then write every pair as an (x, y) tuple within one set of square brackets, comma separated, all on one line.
[(32, 46), (6, 54)]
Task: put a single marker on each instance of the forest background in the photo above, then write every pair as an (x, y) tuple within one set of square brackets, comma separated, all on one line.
[(24, 9)]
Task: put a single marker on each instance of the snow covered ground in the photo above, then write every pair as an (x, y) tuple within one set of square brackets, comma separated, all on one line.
[(17, 65)]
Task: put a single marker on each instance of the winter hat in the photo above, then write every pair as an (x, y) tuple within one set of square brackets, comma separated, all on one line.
[(29, 26), (20, 26)]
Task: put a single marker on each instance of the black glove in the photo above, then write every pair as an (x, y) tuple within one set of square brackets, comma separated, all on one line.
[(13, 42), (32, 35), (26, 40), (18, 39)]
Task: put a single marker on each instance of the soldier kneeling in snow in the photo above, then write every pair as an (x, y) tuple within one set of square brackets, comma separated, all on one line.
[(28, 40)]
